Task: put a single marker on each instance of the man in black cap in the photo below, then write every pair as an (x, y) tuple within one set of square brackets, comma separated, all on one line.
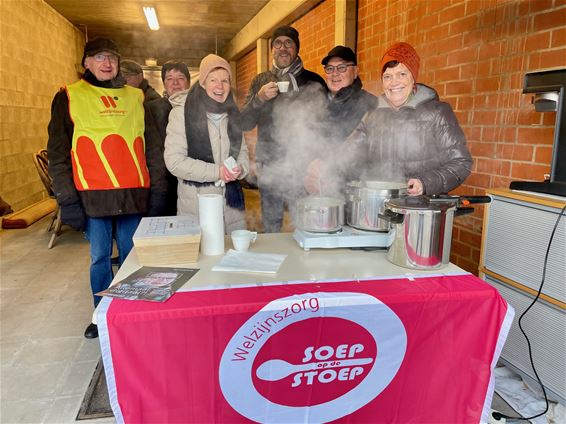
[(133, 73), (100, 165), (348, 102), (176, 80), (263, 96)]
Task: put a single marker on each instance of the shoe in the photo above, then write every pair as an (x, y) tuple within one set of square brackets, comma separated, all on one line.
[(91, 331)]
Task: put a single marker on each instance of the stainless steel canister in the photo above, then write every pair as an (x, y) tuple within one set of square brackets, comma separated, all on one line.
[(423, 231), (319, 214), (365, 202)]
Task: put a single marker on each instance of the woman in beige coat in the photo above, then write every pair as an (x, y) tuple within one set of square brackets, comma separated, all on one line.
[(204, 130)]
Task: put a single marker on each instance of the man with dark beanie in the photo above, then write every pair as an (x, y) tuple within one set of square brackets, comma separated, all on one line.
[(105, 177), (263, 96), (177, 80)]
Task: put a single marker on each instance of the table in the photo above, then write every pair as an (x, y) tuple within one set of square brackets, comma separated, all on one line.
[(335, 336)]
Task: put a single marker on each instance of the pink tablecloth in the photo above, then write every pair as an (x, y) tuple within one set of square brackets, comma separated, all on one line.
[(419, 350)]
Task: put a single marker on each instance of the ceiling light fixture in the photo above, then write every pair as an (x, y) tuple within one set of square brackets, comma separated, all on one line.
[(151, 17)]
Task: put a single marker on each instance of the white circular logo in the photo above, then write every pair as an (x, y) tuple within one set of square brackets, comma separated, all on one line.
[(344, 348)]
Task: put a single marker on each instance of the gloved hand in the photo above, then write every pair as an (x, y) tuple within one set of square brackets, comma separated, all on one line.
[(156, 203), (73, 215)]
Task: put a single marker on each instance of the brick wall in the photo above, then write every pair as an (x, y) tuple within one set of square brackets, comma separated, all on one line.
[(38, 55), (316, 30), (475, 53), (246, 70)]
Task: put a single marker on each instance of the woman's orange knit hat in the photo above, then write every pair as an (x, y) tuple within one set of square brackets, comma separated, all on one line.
[(403, 53)]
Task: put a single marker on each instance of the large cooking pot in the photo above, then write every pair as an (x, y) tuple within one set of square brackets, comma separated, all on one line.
[(319, 214), (365, 202), (423, 228)]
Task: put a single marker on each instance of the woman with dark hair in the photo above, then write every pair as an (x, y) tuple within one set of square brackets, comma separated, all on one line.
[(204, 130), (410, 136)]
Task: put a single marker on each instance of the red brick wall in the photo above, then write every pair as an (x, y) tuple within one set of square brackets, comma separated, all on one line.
[(316, 30), (475, 53), (246, 70)]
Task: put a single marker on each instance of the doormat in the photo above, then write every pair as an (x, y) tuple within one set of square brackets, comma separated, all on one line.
[(96, 403)]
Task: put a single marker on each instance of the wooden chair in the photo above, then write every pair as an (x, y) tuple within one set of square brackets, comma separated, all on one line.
[(40, 161)]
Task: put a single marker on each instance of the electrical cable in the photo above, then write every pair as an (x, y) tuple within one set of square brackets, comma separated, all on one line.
[(499, 415)]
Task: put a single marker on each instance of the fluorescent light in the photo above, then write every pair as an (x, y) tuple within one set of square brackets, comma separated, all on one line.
[(151, 17)]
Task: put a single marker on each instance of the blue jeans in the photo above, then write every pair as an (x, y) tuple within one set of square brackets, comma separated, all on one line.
[(100, 232)]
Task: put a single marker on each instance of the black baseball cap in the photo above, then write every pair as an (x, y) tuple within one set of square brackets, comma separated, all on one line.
[(342, 52)]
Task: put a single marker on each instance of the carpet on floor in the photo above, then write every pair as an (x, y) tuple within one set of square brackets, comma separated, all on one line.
[(96, 403), (27, 216)]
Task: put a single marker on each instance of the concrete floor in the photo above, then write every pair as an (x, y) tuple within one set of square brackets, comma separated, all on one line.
[(45, 305)]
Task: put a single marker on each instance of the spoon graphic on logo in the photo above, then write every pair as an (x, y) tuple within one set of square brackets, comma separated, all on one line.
[(276, 369)]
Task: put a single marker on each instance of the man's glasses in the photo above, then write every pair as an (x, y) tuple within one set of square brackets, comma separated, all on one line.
[(340, 68), (99, 57), (287, 43)]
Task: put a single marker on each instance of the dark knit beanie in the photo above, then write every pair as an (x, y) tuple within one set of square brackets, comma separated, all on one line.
[(178, 66), (286, 31), (98, 45), (403, 53)]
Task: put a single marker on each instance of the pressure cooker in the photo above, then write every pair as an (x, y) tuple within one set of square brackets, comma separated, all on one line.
[(423, 228)]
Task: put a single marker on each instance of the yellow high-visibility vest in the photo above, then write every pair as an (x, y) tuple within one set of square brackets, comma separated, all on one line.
[(108, 150)]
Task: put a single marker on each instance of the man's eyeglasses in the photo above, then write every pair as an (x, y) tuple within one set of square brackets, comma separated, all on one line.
[(340, 68), (287, 43), (99, 57)]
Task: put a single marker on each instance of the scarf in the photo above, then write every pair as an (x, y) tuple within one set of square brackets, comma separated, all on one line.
[(345, 110), (289, 73), (198, 103), (117, 82)]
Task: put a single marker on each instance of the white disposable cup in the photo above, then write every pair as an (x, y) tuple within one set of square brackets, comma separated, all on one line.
[(283, 86), (241, 239)]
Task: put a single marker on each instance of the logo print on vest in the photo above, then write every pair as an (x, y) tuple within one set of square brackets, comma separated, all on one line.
[(108, 101)]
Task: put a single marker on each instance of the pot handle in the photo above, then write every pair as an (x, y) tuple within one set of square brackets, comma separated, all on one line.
[(463, 211), (392, 217), (468, 200)]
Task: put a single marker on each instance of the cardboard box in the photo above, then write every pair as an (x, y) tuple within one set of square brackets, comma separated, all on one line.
[(167, 240)]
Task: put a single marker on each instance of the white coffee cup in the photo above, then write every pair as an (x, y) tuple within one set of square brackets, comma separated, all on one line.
[(241, 239), (283, 86)]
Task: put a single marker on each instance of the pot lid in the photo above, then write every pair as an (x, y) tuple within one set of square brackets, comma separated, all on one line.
[(422, 203)]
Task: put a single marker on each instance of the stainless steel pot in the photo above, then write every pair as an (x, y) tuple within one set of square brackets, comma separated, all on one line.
[(319, 214), (423, 228), (365, 202)]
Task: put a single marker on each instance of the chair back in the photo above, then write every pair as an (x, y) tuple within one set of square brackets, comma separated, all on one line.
[(40, 161)]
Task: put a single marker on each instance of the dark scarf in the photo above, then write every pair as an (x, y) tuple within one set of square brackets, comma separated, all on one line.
[(198, 103), (343, 95), (117, 82), (344, 111)]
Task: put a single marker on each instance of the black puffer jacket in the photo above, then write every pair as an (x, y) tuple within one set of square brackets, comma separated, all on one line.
[(96, 203), (256, 112), (420, 140)]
